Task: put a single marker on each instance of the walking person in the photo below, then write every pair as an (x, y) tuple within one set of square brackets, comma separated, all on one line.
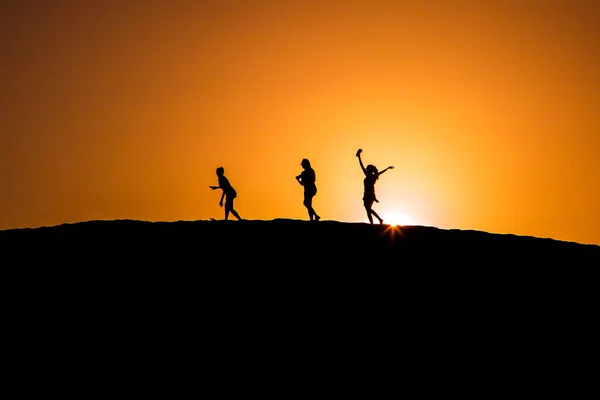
[(371, 176), (228, 194), (307, 178)]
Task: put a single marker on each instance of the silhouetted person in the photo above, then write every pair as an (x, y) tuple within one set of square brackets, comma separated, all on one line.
[(371, 176), (307, 179), (229, 194)]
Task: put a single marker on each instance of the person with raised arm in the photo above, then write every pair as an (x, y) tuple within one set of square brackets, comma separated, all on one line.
[(371, 176)]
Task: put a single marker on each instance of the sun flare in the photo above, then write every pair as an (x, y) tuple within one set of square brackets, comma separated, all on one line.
[(398, 219)]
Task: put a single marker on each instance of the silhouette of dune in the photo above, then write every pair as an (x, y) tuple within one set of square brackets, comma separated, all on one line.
[(119, 287), (285, 263), (284, 242)]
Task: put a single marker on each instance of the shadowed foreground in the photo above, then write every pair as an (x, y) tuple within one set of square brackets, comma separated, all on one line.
[(157, 293), (285, 242), (291, 263)]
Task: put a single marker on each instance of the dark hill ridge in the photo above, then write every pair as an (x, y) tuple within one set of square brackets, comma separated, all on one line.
[(287, 266), (169, 284), (284, 241), (144, 298)]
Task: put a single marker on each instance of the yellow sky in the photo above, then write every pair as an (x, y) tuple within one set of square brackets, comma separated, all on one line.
[(124, 109)]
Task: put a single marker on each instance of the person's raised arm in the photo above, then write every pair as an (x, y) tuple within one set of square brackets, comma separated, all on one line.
[(360, 161), (390, 167)]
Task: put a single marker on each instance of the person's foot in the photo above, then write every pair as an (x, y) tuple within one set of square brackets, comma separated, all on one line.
[(380, 222), (317, 217)]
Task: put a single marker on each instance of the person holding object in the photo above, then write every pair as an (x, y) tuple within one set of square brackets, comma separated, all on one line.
[(229, 194), (307, 178), (371, 176)]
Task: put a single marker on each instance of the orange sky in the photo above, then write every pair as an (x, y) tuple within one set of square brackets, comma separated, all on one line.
[(489, 111)]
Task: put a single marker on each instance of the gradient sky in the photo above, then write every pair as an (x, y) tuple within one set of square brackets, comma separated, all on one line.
[(488, 110)]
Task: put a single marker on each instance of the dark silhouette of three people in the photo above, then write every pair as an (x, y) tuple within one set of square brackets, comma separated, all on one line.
[(229, 194), (307, 179), (371, 176)]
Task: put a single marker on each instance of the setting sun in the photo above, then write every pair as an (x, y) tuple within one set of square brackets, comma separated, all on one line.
[(398, 219)]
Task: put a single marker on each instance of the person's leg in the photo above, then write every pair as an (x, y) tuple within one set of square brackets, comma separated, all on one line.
[(235, 213), (367, 205), (311, 211), (378, 217), (308, 204), (315, 215), (308, 198), (229, 209)]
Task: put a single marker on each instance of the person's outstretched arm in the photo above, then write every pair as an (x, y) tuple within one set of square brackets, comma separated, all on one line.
[(360, 161), (390, 167)]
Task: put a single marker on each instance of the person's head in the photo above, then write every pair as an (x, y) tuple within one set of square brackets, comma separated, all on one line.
[(372, 170), (305, 163), (220, 171)]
